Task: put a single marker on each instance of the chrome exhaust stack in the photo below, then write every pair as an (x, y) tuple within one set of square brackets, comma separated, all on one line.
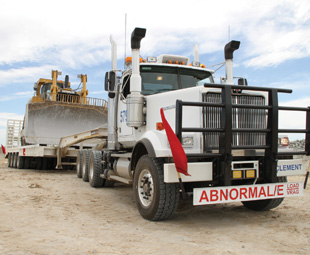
[(135, 101), (228, 52), (111, 87)]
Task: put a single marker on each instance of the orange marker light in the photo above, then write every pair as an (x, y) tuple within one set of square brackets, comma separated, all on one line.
[(159, 126), (128, 60)]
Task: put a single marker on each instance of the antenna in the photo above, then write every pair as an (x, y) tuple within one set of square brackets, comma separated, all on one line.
[(125, 38), (228, 33)]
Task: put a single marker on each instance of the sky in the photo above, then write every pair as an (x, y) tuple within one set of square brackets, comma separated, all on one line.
[(73, 37)]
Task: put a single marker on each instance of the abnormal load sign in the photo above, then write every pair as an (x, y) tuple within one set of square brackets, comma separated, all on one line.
[(212, 195)]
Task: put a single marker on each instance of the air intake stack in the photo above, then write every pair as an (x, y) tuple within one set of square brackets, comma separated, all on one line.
[(228, 51)]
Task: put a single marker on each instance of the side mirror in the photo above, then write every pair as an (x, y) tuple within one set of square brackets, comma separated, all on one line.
[(109, 83), (243, 82), (110, 80)]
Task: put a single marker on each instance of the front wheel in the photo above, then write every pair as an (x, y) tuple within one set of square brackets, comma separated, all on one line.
[(266, 204), (155, 199)]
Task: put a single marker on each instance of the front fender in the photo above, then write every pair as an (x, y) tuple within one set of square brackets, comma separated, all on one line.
[(159, 142), (153, 143)]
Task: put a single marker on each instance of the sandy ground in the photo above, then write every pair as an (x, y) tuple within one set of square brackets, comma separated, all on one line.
[(54, 212)]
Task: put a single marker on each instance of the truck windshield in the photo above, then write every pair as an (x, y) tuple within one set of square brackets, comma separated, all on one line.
[(157, 79)]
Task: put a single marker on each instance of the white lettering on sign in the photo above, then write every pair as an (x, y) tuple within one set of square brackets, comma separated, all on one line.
[(217, 195)]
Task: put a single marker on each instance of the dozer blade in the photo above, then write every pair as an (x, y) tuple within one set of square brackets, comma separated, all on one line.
[(46, 122)]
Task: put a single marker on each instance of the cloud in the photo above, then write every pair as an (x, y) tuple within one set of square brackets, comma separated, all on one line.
[(280, 35), (25, 74), (4, 116), (16, 96), (78, 33), (97, 92), (294, 119)]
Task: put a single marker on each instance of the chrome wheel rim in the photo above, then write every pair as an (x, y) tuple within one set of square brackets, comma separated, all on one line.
[(145, 188)]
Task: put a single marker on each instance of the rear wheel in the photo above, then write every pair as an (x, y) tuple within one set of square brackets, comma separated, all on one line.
[(20, 162), (155, 199), (267, 204), (39, 163), (44, 164), (14, 160), (27, 162), (95, 169), (85, 165), (79, 158), (10, 160)]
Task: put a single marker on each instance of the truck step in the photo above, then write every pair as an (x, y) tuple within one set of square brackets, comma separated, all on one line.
[(68, 163), (119, 179)]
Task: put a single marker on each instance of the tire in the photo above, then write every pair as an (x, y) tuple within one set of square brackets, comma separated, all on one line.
[(108, 183), (27, 162), (155, 199), (39, 163), (95, 169), (79, 159), (267, 204), (51, 163), (20, 162), (85, 165), (10, 160), (44, 164), (14, 160)]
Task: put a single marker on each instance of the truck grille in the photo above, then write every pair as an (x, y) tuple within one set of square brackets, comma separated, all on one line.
[(242, 118)]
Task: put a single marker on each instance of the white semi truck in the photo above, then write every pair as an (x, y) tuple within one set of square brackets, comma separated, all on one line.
[(229, 136), (229, 133)]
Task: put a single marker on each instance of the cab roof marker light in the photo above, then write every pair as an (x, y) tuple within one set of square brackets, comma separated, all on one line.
[(165, 58), (151, 59), (196, 64)]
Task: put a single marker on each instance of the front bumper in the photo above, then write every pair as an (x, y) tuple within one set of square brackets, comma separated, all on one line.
[(203, 171)]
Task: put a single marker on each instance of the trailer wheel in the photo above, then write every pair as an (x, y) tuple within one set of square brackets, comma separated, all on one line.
[(44, 164), (10, 160), (95, 169), (20, 162), (27, 162), (14, 160), (79, 163), (155, 199), (85, 165), (267, 204), (39, 163)]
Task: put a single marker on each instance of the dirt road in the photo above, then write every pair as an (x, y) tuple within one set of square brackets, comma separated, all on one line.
[(54, 212)]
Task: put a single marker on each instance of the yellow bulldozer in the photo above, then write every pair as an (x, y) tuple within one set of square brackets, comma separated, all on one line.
[(56, 110)]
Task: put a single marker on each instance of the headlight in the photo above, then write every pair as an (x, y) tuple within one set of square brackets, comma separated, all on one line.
[(188, 141)]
